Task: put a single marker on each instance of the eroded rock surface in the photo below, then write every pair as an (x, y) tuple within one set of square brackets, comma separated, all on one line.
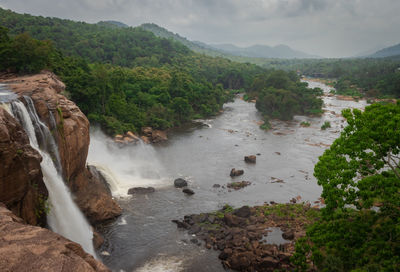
[(21, 182), (71, 129), (29, 248)]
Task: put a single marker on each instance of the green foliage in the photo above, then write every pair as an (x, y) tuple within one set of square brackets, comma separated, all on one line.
[(326, 125), (358, 173), (305, 124), (22, 54), (281, 95), (123, 78), (42, 207)]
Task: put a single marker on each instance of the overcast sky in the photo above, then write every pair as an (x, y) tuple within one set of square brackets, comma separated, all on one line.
[(329, 28)]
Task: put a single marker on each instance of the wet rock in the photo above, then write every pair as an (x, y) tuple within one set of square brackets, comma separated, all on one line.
[(145, 139), (194, 229), (180, 224), (250, 159), (141, 190), (131, 135), (98, 240), (180, 183), (235, 173), (188, 191), (289, 235), (238, 185), (216, 186), (158, 136), (21, 182), (147, 131), (243, 212)]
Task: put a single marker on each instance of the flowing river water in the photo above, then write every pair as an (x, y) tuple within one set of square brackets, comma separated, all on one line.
[(145, 239)]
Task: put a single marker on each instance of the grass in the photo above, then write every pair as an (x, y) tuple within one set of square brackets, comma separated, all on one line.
[(326, 125), (305, 124)]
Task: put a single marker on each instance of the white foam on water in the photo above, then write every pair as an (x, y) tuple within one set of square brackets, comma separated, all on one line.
[(126, 167), (162, 264)]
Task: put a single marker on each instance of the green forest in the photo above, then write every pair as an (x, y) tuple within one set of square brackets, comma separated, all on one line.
[(127, 78)]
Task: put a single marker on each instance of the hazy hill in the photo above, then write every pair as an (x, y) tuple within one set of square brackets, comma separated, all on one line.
[(387, 52), (263, 51), (112, 24), (198, 47)]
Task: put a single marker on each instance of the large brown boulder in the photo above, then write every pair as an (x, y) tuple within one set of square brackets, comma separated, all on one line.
[(21, 181), (28, 248), (94, 198), (71, 130)]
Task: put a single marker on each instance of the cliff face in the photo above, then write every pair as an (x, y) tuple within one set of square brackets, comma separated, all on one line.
[(28, 248), (71, 130), (21, 183)]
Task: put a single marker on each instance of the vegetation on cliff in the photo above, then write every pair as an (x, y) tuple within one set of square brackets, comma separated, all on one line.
[(360, 177)]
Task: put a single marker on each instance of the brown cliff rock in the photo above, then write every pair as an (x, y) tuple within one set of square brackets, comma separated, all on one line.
[(93, 197), (21, 180), (28, 248), (72, 135)]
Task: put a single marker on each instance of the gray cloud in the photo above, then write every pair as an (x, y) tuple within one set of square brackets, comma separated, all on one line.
[(324, 27)]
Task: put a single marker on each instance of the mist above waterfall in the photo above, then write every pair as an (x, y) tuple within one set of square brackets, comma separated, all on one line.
[(127, 167)]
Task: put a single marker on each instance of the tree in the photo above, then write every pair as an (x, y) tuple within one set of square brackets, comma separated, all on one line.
[(362, 165), (360, 225)]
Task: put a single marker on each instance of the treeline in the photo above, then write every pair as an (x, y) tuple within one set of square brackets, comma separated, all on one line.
[(127, 78), (360, 77), (281, 95)]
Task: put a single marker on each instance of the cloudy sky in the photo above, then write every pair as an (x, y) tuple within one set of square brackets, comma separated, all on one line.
[(329, 28)]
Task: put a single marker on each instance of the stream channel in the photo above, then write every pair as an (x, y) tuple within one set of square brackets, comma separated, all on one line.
[(145, 239)]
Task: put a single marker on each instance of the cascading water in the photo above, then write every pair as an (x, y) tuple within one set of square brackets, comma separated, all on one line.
[(64, 217), (124, 168)]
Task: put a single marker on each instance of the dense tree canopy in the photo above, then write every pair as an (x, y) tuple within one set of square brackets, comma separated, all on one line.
[(360, 177), (281, 95)]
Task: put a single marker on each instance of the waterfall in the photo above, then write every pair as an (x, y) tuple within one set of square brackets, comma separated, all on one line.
[(124, 168), (64, 217)]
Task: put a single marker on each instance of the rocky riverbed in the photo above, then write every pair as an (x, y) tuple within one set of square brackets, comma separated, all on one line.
[(242, 235)]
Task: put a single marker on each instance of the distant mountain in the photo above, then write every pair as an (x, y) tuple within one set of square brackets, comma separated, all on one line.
[(264, 51), (229, 50), (195, 46), (112, 24), (387, 52)]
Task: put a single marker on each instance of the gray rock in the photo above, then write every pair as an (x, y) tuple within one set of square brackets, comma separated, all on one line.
[(180, 183)]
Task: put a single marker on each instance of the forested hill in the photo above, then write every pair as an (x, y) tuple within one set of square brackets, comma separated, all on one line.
[(97, 42), (195, 46), (387, 52)]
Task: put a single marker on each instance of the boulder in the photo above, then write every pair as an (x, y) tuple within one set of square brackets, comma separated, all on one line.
[(145, 139), (188, 191), (131, 135), (250, 159), (141, 190), (98, 240), (180, 183), (243, 212), (29, 248), (119, 137), (158, 136), (21, 182), (147, 131), (288, 235), (235, 173), (94, 198)]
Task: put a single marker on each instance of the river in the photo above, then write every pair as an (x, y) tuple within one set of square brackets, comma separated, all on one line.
[(145, 239)]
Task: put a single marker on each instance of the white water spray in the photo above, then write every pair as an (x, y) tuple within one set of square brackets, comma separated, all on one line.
[(65, 218), (124, 168)]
